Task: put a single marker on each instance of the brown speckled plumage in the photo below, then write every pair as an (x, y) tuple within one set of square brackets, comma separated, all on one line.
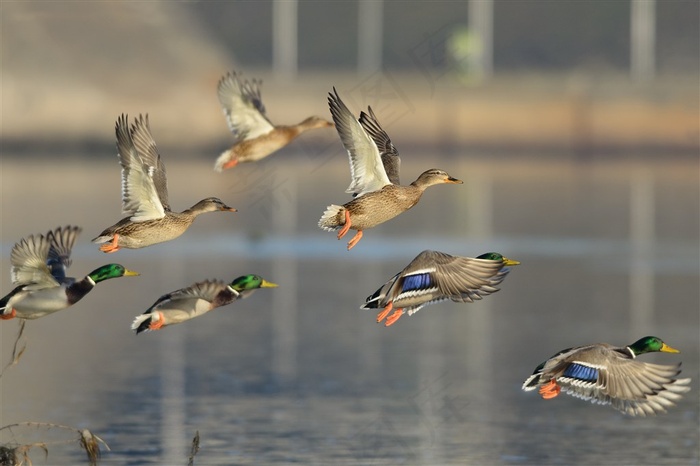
[(256, 136), (374, 208), (145, 194), (374, 164)]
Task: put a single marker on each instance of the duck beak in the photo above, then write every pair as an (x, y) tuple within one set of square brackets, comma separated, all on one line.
[(266, 284), (509, 262), (130, 273), (667, 349), (226, 208), (449, 179)]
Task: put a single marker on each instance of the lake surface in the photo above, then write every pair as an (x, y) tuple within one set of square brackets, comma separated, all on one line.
[(299, 375)]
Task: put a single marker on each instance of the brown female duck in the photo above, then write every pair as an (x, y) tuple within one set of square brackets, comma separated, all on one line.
[(145, 194), (377, 198), (256, 136)]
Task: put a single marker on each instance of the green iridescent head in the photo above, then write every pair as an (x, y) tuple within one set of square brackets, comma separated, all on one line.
[(251, 282), (651, 345), (111, 271), (494, 256)]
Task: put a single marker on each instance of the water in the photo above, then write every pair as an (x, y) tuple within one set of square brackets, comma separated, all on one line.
[(299, 375)]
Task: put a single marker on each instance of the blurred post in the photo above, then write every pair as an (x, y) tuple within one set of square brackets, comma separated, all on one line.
[(285, 341), (478, 197), (480, 17), (369, 35), (643, 40), (284, 38), (642, 239)]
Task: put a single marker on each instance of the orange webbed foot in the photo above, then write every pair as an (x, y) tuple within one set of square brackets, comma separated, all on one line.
[(394, 317), (9, 316), (385, 312), (550, 390), (346, 225), (230, 164), (355, 239), (112, 246), (158, 324)]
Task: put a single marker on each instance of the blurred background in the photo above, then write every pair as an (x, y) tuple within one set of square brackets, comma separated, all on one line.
[(574, 124)]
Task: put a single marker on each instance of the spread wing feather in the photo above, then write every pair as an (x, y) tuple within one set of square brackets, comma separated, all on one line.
[(61, 241), (140, 198), (366, 168), (387, 150), (29, 267), (206, 290), (243, 107)]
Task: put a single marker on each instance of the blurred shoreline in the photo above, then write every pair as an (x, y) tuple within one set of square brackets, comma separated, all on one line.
[(578, 114)]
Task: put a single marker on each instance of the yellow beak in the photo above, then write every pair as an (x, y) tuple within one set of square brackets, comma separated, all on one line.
[(266, 284), (507, 261), (130, 273), (667, 349)]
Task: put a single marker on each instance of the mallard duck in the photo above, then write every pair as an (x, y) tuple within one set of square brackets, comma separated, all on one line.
[(377, 198), (39, 264), (256, 137), (196, 300), (611, 375), (434, 276), (145, 194)]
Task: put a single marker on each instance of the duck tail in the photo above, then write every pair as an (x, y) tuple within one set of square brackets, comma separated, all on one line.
[(142, 323), (372, 302), (532, 382), (5, 308), (222, 160), (331, 217), (102, 239)]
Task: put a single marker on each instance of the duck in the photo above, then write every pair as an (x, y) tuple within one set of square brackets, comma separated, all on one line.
[(612, 375), (145, 194), (376, 198), (434, 276), (256, 136), (39, 264), (196, 300)]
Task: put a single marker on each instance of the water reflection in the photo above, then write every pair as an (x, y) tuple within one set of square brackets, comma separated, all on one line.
[(300, 374)]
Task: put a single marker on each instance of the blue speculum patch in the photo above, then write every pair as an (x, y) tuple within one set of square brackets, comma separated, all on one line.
[(578, 371), (416, 282)]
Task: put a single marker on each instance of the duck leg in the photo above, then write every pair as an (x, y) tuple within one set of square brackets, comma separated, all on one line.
[(112, 246), (355, 239), (346, 225), (385, 312), (550, 390), (158, 324), (394, 317)]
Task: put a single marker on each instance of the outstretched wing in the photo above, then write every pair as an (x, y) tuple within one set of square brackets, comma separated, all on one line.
[(207, 290), (630, 386), (140, 197), (243, 107), (465, 278), (387, 150), (61, 241), (366, 169), (146, 148), (28, 259)]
